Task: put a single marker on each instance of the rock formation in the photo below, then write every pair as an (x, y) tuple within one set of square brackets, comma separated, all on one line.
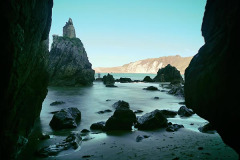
[(68, 61), (24, 49), (209, 78), (151, 65), (69, 30), (168, 74)]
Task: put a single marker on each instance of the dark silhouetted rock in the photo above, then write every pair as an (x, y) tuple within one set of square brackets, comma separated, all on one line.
[(208, 128), (177, 91), (44, 136), (57, 103), (121, 104), (215, 68), (110, 85), (125, 80), (173, 127), (108, 100), (122, 119), (138, 111), (66, 118), (105, 111), (168, 113), (85, 131), (99, 79), (183, 103), (98, 125), (156, 98), (151, 88), (68, 63), (148, 79), (73, 141), (108, 80), (168, 74), (24, 78), (152, 120), (185, 112)]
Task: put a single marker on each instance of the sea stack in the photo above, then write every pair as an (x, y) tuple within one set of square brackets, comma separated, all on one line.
[(68, 62)]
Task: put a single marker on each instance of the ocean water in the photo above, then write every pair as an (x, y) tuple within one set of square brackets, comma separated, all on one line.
[(91, 99)]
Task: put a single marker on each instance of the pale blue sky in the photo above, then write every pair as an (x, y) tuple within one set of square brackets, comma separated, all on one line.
[(116, 32)]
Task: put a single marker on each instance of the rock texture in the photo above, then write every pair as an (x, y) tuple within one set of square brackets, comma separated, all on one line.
[(68, 63), (168, 74), (69, 30), (24, 49), (213, 70), (151, 65)]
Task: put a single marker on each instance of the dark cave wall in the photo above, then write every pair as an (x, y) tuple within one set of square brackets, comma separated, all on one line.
[(24, 49), (211, 79)]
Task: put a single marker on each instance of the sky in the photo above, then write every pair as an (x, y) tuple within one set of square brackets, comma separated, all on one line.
[(117, 32)]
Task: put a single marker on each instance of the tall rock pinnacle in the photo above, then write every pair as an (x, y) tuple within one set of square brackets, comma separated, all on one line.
[(69, 30)]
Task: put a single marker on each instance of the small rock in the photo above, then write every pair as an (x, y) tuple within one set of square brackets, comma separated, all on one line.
[(44, 136), (138, 111), (139, 138), (185, 112), (85, 131), (173, 127), (121, 104), (200, 148), (98, 126), (208, 128), (151, 88), (87, 156), (156, 97), (108, 100), (110, 85), (57, 103), (168, 113), (105, 111)]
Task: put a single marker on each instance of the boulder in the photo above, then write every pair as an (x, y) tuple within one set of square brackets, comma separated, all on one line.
[(152, 120), (177, 91), (125, 80), (168, 74), (168, 113), (68, 63), (108, 80), (148, 79), (121, 104), (98, 126), (57, 103), (173, 127), (73, 141), (208, 128), (185, 112), (66, 118), (122, 119), (151, 88)]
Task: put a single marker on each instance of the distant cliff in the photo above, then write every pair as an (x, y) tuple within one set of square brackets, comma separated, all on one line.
[(68, 61), (151, 65)]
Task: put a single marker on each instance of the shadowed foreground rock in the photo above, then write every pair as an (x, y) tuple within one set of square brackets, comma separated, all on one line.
[(66, 118), (122, 119), (152, 120), (24, 50), (185, 112), (211, 73), (73, 141)]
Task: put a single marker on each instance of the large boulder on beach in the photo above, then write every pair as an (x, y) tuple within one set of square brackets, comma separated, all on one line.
[(98, 126), (168, 74), (73, 141), (185, 112), (66, 118), (152, 120), (122, 119)]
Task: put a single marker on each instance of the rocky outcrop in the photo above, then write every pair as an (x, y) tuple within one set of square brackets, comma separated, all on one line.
[(148, 79), (73, 141), (213, 70), (168, 74), (68, 63), (177, 90), (152, 120), (151, 65), (66, 118), (108, 79), (24, 49)]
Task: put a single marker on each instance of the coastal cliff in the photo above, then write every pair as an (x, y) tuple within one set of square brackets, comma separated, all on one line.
[(68, 61), (151, 65), (210, 79), (24, 49)]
